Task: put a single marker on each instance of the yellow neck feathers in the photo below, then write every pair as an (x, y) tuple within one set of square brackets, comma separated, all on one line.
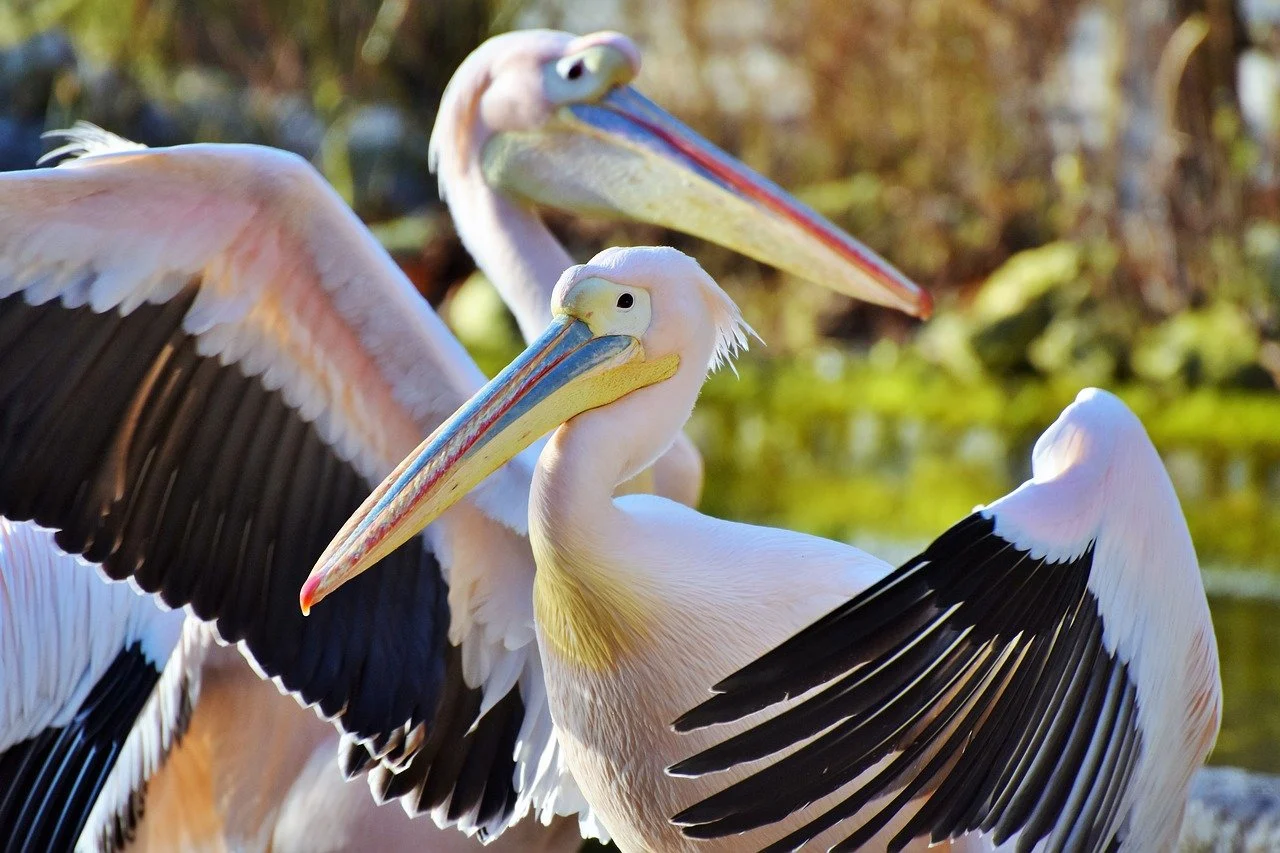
[(588, 617)]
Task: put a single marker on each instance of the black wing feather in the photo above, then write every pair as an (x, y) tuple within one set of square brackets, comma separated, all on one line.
[(170, 467), (977, 668), (50, 782)]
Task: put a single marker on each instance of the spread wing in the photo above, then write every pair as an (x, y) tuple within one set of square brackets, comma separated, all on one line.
[(205, 363), (1043, 674)]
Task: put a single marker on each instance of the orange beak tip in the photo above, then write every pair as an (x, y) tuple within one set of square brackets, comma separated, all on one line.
[(310, 594), (925, 308)]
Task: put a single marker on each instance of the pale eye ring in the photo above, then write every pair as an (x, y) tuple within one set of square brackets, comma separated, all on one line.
[(572, 68), (625, 301)]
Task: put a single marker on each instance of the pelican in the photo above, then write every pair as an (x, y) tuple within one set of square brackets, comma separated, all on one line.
[(1058, 641), (493, 172), (206, 360)]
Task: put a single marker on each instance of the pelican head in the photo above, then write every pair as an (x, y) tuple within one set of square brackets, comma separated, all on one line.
[(629, 319), (551, 120)]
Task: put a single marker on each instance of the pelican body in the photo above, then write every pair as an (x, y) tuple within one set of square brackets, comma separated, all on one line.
[(640, 602), (206, 361)]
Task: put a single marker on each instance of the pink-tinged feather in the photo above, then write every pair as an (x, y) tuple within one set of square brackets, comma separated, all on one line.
[(290, 282)]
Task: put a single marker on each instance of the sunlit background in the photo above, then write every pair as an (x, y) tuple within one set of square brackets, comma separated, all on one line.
[(1090, 190)]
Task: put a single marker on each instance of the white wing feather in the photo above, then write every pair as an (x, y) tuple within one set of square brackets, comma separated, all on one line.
[(61, 626), (158, 729)]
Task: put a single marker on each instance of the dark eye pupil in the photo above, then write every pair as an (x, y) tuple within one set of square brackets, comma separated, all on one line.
[(625, 300), (575, 71)]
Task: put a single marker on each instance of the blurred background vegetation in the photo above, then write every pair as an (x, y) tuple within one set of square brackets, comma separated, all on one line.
[(1091, 191)]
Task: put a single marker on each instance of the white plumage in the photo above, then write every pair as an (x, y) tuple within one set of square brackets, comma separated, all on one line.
[(63, 628)]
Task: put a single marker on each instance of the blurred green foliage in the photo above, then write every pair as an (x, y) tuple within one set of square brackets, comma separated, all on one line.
[(887, 446), (982, 146)]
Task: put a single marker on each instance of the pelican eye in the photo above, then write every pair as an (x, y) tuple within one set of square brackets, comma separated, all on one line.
[(571, 68), (587, 75), (607, 307)]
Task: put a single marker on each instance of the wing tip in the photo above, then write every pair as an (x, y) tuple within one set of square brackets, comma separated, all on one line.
[(698, 717), (687, 768)]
